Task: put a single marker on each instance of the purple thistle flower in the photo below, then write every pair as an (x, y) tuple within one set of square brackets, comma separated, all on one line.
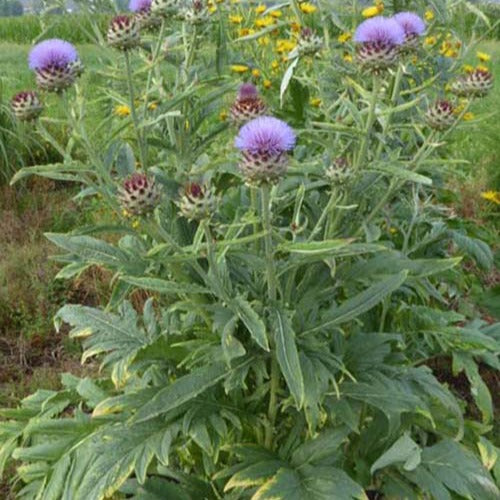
[(247, 91), (380, 30), (411, 23), (265, 135), (54, 53), (139, 5)]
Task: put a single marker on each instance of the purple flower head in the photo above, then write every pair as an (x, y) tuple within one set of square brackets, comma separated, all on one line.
[(411, 23), (265, 134), (380, 30), (139, 5), (247, 91), (54, 52)]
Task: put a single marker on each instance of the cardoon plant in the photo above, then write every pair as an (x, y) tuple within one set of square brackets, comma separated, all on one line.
[(413, 26), (55, 63), (264, 144), (273, 329), (379, 39)]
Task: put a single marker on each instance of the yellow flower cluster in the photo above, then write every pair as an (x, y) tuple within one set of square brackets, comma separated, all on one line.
[(374, 10), (493, 196), (122, 110), (307, 8), (284, 46)]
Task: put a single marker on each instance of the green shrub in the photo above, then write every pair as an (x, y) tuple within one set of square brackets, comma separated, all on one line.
[(281, 323)]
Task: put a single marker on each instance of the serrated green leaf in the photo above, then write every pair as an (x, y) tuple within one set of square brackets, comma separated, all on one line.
[(355, 306), (288, 355)]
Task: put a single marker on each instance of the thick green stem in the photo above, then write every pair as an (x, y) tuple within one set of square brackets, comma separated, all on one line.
[(268, 243), (369, 123), (133, 110), (272, 295)]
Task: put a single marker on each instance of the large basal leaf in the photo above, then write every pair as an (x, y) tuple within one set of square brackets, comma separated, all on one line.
[(404, 451), (288, 355), (183, 390), (359, 304), (164, 286), (311, 483), (323, 447), (116, 335), (117, 452), (449, 467)]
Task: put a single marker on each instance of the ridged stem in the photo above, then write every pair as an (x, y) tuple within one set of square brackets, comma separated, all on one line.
[(272, 295), (133, 111), (369, 122)]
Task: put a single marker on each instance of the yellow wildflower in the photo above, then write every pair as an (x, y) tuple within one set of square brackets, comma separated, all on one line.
[(482, 67), (153, 106), (264, 22), (373, 11), (256, 73), (239, 68), (223, 116), (430, 40), (483, 56), (493, 196), (347, 57), (246, 31), (236, 19), (315, 102), (308, 8), (344, 37), (283, 46), (135, 224), (468, 68), (267, 84), (295, 27), (264, 41), (125, 213), (260, 9), (275, 65), (276, 13), (429, 15), (468, 116), (122, 110)]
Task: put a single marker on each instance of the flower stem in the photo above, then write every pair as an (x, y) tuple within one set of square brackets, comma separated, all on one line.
[(272, 294), (268, 242), (133, 110), (369, 122)]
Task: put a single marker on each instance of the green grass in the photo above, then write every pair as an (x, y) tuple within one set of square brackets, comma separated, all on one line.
[(74, 28), (479, 141)]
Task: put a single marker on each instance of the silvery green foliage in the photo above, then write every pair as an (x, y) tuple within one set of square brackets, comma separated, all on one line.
[(283, 350)]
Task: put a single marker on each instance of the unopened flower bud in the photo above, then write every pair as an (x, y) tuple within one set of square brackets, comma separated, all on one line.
[(440, 115), (139, 194), (26, 106), (477, 83), (123, 33), (197, 202), (309, 43), (339, 172), (248, 104)]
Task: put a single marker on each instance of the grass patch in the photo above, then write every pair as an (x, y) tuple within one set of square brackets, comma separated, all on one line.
[(478, 143), (75, 28)]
